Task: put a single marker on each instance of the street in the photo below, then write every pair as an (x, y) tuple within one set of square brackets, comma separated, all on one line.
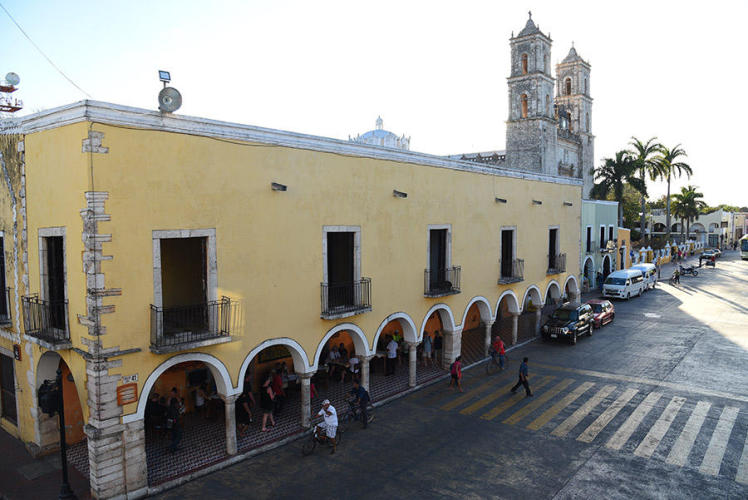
[(654, 405)]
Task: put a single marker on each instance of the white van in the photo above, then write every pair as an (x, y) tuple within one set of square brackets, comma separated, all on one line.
[(623, 284), (649, 271)]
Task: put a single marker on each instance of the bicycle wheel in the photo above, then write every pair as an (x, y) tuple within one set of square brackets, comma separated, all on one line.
[(308, 447), (491, 367)]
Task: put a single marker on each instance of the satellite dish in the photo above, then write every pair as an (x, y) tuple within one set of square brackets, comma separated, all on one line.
[(12, 78), (169, 99)]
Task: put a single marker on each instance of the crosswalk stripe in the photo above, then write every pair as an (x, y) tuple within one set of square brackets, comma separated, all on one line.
[(564, 427), (742, 474), (537, 402), (659, 429), (501, 391), (625, 431), (464, 398), (513, 400), (591, 432), (717, 445), (554, 410), (679, 453)]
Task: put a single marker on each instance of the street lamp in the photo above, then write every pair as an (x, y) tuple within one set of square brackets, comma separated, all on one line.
[(51, 401)]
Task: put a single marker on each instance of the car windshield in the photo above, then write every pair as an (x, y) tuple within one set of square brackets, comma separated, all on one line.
[(598, 308), (744, 246), (565, 315), (615, 281)]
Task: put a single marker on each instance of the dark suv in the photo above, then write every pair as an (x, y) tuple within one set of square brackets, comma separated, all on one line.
[(569, 321)]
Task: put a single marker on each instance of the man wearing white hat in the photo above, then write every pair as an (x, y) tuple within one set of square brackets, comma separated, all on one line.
[(330, 424)]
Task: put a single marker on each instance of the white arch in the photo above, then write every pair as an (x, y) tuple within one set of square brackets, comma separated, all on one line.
[(409, 328), (484, 307), (527, 292), (358, 336), (515, 302), (217, 369), (584, 266), (445, 313), (300, 360), (610, 264), (553, 284), (573, 289)]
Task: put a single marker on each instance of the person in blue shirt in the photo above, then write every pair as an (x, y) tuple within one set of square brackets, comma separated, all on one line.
[(523, 378), (360, 397)]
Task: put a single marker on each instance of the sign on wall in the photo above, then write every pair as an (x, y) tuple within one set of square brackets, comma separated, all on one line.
[(127, 394), (17, 352)]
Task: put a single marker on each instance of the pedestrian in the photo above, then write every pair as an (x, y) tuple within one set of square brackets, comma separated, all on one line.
[(438, 345), (600, 280), (243, 413), (361, 398), (267, 398), (456, 373), (277, 385), (174, 425), (426, 356), (391, 357), (659, 268), (497, 349), (523, 378)]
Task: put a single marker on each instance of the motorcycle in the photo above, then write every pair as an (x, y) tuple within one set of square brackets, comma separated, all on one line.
[(689, 270), (675, 278)]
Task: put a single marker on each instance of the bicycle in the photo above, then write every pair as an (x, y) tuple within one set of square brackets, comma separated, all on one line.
[(354, 413), (493, 366), (318, 439)]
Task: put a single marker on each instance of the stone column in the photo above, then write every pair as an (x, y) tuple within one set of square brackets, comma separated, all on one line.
[(306, 401), (487, 346), (451, 346), (136, 475), (515, 321), (365, 371), (538, 317), (230, 414), (412, 363)]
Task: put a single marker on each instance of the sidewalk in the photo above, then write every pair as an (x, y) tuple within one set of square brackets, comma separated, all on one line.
[(22, 476)]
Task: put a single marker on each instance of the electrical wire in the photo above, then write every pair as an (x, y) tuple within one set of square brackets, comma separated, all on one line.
[(43, 54)]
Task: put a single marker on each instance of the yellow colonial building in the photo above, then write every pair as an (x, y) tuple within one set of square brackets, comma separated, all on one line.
[(145, 251)]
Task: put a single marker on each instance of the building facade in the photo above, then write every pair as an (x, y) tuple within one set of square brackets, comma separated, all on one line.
[(146, 253), (601, 252), (713, 229)]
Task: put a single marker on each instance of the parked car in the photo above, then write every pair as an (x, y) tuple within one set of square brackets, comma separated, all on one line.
[(569, 321), (649, 271), (603, 312), (711, 251), (624, 283)]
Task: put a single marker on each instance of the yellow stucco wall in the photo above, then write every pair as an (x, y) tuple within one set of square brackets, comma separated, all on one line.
[(269, 244)]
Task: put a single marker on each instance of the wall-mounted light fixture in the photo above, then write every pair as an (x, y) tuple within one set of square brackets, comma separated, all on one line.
[(500, 200), (399, 194), (568, 204), (278, 187), (537, 202)]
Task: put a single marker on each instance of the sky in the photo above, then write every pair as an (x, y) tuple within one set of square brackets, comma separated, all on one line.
[(433, 70)]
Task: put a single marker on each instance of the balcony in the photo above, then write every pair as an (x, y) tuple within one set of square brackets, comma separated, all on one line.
[(179, 328), (340, 300), (556, 264), (441, 282), (517, 273), (46, 323), (5, 318)]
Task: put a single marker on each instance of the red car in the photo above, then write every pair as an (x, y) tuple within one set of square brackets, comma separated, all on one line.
[(603, 312)]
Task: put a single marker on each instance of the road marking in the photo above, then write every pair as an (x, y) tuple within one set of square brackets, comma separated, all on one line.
[(625, 431), (501, 391), (652, 315), (717, 445), (513, 400), (591, 432), (576, 417), (680, 387), (464, 398), (742, 475), (537, 402), (554, 410), (682, 448), (659, 429)]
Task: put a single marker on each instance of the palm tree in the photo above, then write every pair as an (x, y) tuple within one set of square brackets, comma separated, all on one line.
[(689, 205), (613, 175), (645, 158), (668, 167), (678, 210)]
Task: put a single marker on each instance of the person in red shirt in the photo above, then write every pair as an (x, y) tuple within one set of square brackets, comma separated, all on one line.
[(277, 385), (497, 349), (456, 372)]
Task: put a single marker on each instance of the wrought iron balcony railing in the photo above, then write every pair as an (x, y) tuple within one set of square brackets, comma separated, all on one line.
[(5, 318), (516, 272), (556, 264), (345, 299), (440, 282), (174, 328), (45, 320)]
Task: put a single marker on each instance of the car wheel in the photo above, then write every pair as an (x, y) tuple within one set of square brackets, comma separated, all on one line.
[(695, 272), (640, 292), (628, 296), (574, 337), (589, 329)]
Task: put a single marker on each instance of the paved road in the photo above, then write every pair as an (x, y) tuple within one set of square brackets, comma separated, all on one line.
[(653, 406)]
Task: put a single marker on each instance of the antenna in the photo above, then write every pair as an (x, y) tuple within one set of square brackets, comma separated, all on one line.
[(13, 79), (169, 99), (8, 104)]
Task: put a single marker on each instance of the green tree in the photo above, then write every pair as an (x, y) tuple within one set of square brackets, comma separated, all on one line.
[(669, 167), (644, 154), (689, 205), (658, 203), (613, 175)]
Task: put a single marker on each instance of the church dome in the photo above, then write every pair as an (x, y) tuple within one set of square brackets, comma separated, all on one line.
[(381, 137), (530, 28), (572, 55)]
